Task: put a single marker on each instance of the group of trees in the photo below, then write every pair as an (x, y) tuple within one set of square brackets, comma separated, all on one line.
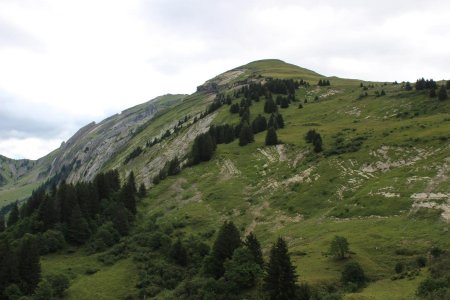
[(432, 86), (314, 138), (239, 265), (98, 212), (324, 82)]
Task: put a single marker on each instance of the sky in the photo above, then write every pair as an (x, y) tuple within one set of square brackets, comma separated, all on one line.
[(66, 63)]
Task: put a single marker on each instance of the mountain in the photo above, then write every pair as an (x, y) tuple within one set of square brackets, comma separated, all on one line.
[(379, 179), (83, 155)]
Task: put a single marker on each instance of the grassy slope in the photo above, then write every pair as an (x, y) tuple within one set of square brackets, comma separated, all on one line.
[(288, 191)]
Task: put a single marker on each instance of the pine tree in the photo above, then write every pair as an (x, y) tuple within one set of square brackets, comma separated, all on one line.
[(317, 142), (280, 121), (142, 190), (8, 265), (179, 254), (29, 267), (2, 223), (271, 137), (128, 194), (47, 212), (280, 281), (432, 93), (443, 93), (245, 135), (226, 242), (270, 106), (272, 122), (447, 85), (174, 167), (14, 215), (254, 247), (78, 231)]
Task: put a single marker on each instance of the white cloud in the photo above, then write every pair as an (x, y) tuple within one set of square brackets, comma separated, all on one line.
[(64, 63)]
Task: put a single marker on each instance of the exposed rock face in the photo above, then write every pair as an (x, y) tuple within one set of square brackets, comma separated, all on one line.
[(94, 144), (209, 87)]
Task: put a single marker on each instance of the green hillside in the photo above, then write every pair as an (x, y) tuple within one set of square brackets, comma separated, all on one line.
[(381, 181)]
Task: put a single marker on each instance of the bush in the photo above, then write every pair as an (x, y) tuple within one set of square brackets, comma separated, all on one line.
[(339, 247), (51, 241), (353, 273), (421, 261), (59, 284), (399, 268)]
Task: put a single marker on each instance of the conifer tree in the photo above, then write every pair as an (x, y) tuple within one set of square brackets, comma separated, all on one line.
[(443, 93), (14, 215), (128, 194), (245, 135), (78, 230), (280, 120), (271, 137), (447, 84), (270, 106), (280, 281), (432, 93), (272, 122), (47, 212), (2, 223), (253, 245), (8, 265), (226, 242), (29, 267), (179, 254), (142, 190), (119, 216), (317, 143), (174, 167)]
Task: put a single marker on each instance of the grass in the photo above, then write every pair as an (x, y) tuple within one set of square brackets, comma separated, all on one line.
[(289, 191)]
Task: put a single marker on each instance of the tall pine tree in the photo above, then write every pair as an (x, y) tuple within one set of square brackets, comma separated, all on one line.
[(442, 93), (246, 135), (280, 281), (29, 267), (271, 137), (14, 215), (78, 231), (226, 242), (255, 248)]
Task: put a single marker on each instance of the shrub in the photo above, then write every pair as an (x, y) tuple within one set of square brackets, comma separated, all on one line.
[(353, 273)]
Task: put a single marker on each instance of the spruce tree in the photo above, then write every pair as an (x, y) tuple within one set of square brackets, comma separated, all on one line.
[(270, 106), (2, 223), (280, 281), (447, 84), (174, 167), (253, 245), (179, 254), (128, 194), (226, 242), (142, 190), (47, 212), (443, 93), (29, 267), (78, 231), (271, 137), (14, 215), (272, 122), (317, 142), (280, 120), (8, 265), (246, 135), (432, 93)]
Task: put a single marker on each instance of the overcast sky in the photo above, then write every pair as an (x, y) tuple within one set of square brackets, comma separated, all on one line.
[(66, 63)]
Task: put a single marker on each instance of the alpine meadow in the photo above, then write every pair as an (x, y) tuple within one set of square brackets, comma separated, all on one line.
[(271, 181)]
